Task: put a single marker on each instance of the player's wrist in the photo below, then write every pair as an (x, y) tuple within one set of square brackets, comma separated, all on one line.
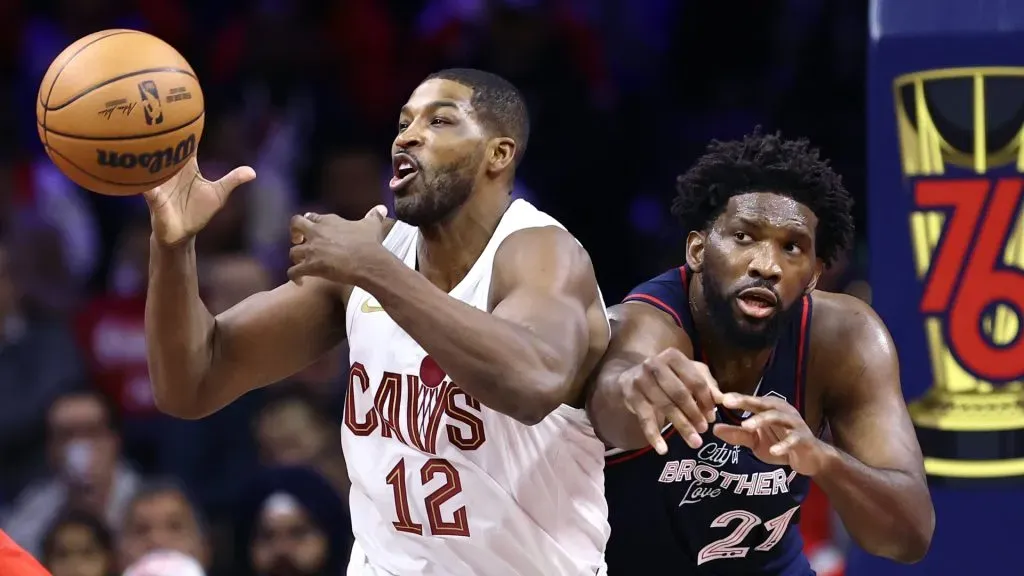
[(829, 459), (378, 266)]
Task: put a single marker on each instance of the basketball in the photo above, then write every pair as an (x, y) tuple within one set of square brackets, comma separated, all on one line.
[(120, 112)]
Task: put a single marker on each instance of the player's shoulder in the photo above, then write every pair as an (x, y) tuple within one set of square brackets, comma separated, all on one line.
[(838, 315), (841, 323)]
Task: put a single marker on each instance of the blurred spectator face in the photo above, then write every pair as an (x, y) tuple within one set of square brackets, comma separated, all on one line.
[(77, 551), (287, 543), (162, 521), (232, 279), (289, 434), (83, 445), (352, 183)]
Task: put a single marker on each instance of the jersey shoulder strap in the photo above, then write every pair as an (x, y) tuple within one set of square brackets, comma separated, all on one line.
[(668, 292)]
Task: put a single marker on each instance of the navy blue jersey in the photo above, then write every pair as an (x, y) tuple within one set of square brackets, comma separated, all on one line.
[(717, 510)]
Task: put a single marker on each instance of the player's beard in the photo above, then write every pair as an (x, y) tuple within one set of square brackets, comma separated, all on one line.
[(437, 193), (756, 335)]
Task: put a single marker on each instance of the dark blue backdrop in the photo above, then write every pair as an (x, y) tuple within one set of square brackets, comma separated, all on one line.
[(976, 532)]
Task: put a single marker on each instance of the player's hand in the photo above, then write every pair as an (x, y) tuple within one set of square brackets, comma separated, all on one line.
[(776, 433), (333, 248), (182, 206), (672, 387)]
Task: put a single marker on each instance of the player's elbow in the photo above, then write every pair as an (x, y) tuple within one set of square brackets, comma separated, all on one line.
[(541, 394), (176, 406), (917, 541), (911, 546)]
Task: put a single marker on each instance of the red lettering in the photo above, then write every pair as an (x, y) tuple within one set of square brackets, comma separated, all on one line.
[(357, 374), (425, 408), (966, 282), (396, 478), (388, 402), (473, 436), (452, 486)]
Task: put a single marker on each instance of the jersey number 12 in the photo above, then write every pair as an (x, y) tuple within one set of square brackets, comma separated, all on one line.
[(457, 526)]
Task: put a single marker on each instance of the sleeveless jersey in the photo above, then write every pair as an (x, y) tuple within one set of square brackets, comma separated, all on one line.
[(717, 510), (442, 485)]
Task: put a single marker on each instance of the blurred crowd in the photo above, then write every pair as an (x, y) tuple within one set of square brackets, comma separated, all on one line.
[(623, 96)]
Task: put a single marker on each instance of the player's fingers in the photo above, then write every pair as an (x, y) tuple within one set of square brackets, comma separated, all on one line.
[(699, 382), (736, 435), (298, 253), (655, 397), (682, 401), (300, 270), (783, 447), (649, 422), (753, 404), (710, 396), (301, 227), (236, 178), (769, 419)]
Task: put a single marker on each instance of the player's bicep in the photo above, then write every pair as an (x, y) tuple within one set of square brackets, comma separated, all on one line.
[(544, 283), (865, 409), (271, 336)]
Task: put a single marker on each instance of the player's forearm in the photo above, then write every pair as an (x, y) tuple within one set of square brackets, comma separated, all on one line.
[(179, 329), (499, 363), (887, 512), (606, 406)]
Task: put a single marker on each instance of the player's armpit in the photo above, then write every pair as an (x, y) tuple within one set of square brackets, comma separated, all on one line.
[(876, 480), (639, 331)]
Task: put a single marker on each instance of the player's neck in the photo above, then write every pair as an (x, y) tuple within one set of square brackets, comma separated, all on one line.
[(450, 248), (735, 368)]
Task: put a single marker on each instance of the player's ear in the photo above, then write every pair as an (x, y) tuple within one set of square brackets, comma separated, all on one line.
[(501, 154), (819, 266), (695, 250)]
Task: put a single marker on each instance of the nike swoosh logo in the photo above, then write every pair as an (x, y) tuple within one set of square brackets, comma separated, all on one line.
[(366, 308)]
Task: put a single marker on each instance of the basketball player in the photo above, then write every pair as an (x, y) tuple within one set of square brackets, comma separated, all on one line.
[(472, 323), (723, 373)]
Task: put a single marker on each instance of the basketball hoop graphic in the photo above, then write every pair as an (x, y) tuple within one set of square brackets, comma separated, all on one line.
[(430, 392)]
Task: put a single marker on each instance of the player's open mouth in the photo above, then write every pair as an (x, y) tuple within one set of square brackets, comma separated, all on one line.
[(405, 169), (757, 302)]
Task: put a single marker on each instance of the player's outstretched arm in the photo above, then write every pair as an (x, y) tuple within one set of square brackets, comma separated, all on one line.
[(199, 363), (645, 379), (527, 356), (875, 475)]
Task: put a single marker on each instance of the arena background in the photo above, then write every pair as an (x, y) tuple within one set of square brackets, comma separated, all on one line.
[(624, 95)]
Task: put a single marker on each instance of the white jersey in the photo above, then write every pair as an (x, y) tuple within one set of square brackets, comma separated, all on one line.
[(442, 485)]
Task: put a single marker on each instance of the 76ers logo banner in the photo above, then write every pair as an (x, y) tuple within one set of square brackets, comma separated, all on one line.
[(960, 140)]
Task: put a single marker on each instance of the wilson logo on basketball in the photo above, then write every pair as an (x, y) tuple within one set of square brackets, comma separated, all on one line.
[(154, 161)]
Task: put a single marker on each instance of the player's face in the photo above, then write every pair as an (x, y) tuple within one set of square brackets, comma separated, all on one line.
[(757, 260), (438, 153), (163, 522)]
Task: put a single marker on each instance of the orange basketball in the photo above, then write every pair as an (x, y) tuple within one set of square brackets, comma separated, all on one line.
[(120, 111)]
